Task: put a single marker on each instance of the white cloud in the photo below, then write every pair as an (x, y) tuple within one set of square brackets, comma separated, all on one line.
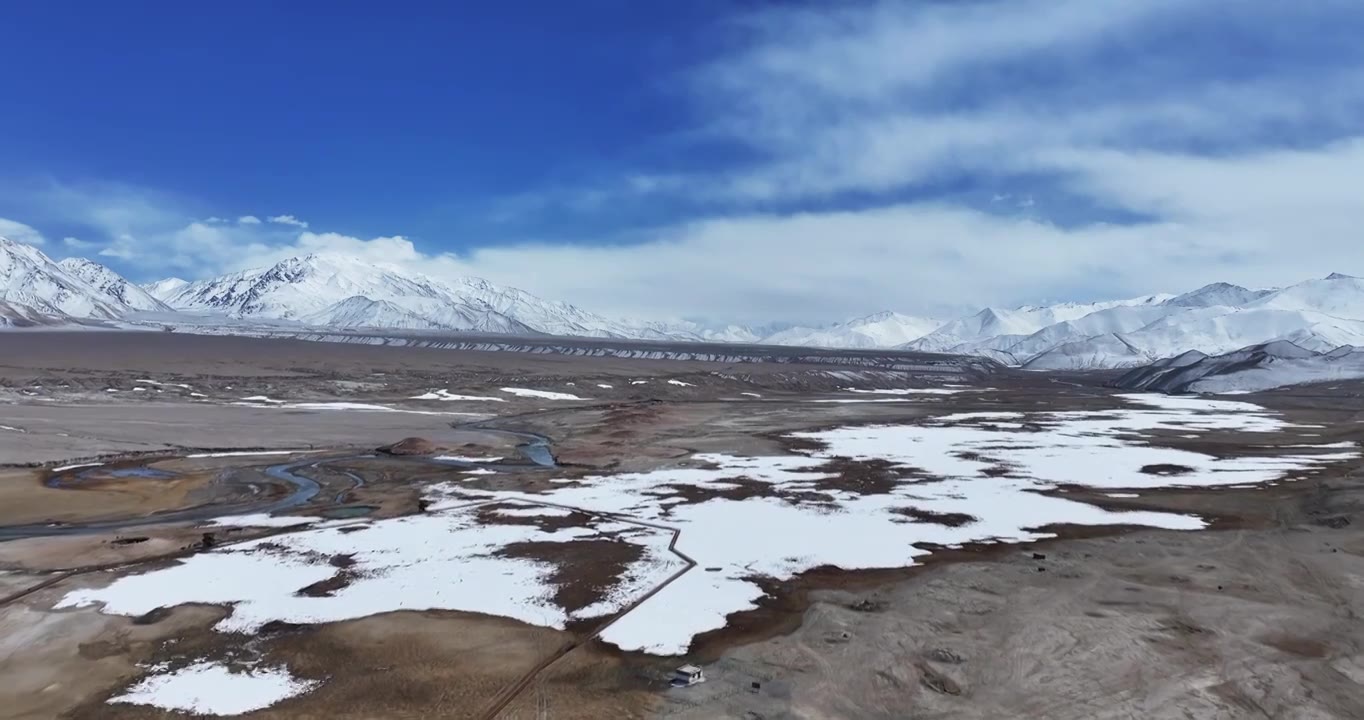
[(1265, 219), (19, 232), (288, 220), (1041, 104), (78, 244), (924, 257)]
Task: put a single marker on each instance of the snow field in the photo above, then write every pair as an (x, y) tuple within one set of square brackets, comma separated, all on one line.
[(207, 688), (963, 478)]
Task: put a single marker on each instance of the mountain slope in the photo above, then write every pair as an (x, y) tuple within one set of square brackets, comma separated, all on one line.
[(1101, 351), (881, 330), (1217, 318), (19, 316), (112, 286), (362, 312), (162, 289), (296, 287), (1336, 295), (1250, 369), (1218, 294), (29, 279), (341, 291), (980, 330)]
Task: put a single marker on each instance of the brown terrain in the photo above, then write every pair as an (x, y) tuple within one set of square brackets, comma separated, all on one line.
[(1256, 617)]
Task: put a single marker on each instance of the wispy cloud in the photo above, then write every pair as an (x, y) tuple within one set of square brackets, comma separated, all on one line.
[(78, 245), (880, 96), (287, 220), (19, 232)]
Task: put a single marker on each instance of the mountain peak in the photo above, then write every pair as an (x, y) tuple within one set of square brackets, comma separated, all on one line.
[(1340, 276), (82, 264), (73, 288), (875, 317), (165, 289), (1218, 293), (112, 285)]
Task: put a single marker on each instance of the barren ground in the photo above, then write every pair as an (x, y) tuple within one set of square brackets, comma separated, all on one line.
[(1257, 617)]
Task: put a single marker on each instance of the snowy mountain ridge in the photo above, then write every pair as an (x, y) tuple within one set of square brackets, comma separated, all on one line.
[(879, 330), (343, 292), (34, 287), (1318, 314), (112, 285)]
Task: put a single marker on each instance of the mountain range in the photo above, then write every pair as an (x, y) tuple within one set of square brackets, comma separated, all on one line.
[(35, 290), (1318, 315), (337, 291)]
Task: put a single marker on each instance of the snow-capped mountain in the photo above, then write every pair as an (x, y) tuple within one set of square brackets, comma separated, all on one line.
[(299, 287), (342, 291), (162, 289), (980, 331), (1336, 295), (1218, 318), (696, 332), (417, 314), (1250, 369), (35, 286), (111, 285), (1101, 351), (882, 330), (345, 292), (338, 291), (1223, 294)]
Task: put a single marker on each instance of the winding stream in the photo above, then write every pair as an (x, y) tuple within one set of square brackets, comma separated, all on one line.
[(535, 449)]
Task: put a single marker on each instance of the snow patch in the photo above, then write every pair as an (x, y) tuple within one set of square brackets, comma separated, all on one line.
[(246, 453), (64, 468), (209, 688), (542, 394), (468, 458), (908, 391), (447, 395), (158, 383), (359, 407), (851, 401), (534, 511), (260, 520), (444, 559)]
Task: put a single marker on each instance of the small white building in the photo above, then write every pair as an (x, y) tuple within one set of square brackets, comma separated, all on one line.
[(687, 675)]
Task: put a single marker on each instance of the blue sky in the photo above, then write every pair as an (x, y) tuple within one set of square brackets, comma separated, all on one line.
[(714, 159)]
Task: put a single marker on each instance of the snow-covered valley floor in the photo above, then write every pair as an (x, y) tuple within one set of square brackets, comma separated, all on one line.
[(853, 497)]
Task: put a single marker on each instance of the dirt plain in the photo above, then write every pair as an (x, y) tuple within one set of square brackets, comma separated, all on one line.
[(1257, 617)]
